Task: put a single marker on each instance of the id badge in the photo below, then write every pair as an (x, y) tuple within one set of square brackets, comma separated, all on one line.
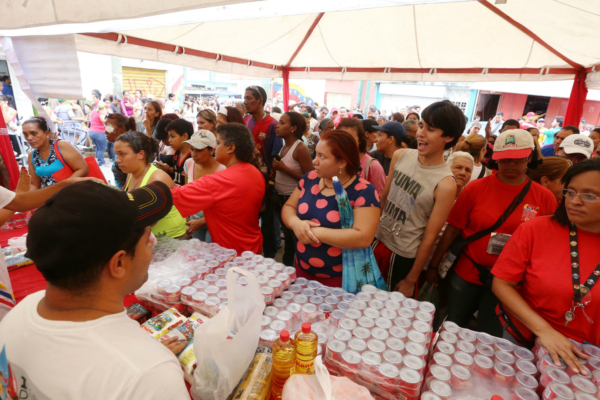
[(445, 265), (497, 243)]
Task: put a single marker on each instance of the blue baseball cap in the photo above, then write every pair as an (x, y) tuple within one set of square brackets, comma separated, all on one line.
[(392, 128)]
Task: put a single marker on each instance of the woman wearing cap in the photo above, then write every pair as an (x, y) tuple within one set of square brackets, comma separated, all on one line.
[(476, 146), (550, 266), (202, 163), (135, 153), (479, 206), (44, 160), (114, 126), (333, 114), (229, 114), (549, 174), (152, 114), (312, 211), (230, 199), (97, 132), (294, 162), (371, 170), (207, 119)]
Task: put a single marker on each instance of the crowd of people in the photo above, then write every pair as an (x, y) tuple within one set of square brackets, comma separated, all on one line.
[(491, 217)]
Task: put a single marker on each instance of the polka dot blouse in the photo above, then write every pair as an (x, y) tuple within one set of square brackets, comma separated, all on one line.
[(320, 259)]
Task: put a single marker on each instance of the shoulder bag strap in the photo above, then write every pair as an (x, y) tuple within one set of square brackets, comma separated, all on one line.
[(369, 161), (511, 208), (58, 153), (483, 171)]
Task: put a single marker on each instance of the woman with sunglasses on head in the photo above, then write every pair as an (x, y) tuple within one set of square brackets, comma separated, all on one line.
[(207, 119), (480, 205), (546, 278)]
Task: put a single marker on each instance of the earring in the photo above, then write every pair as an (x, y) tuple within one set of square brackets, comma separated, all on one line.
[(340, 170)]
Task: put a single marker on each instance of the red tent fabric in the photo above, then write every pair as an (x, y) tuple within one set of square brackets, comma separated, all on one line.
[(578, 96), (8, 155)]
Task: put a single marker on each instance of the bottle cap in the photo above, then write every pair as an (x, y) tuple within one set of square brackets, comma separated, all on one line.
[(284, 336), (306, 327), (496, 397)]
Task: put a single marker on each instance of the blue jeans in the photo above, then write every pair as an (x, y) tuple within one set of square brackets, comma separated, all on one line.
[(202, 234), (110, 149), (99, 140)]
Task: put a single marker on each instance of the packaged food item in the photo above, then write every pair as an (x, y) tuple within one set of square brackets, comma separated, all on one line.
[(138, 313), (256, 383), (163, 322)]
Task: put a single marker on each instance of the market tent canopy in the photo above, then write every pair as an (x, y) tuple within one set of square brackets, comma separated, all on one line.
[(17, 14), (386, 40), (391, 40), (442, 41)]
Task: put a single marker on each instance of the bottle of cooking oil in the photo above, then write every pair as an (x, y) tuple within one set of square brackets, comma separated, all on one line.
[(284, 362), (306, 350)]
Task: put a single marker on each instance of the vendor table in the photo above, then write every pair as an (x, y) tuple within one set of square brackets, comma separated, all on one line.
[(28, 279)]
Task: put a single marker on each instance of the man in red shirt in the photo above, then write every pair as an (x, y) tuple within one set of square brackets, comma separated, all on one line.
[(263, 126), (230, 199)]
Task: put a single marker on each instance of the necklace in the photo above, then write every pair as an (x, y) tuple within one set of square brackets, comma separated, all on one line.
[(139, 177), (329, 187)]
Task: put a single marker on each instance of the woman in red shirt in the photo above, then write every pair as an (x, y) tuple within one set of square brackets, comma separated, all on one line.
[(482, 203), (551, 265)]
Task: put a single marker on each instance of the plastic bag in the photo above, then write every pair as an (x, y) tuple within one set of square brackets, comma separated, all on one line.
[(429, 293), (19, 242), (322, 386), (360, 266), (225, 345)]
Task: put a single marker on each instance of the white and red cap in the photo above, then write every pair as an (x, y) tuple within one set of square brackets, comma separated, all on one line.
[(578, 144), (513, 143)]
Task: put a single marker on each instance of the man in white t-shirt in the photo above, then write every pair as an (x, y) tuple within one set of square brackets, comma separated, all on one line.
[(74, 341), (20, 201)]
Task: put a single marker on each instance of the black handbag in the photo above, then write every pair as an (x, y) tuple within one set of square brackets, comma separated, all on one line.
[(455, 249)]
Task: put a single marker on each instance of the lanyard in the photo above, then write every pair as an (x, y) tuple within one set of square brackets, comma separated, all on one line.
[(579, 290)]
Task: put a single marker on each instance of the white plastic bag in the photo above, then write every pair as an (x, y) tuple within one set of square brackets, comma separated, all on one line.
[(225, 344), (322, 386)]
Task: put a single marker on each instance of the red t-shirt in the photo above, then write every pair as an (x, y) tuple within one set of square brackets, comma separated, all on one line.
[(231, 201), (480, 205), (538, 256)]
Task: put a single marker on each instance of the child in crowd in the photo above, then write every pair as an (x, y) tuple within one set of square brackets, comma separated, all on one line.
[(180, 131), (419, 193)]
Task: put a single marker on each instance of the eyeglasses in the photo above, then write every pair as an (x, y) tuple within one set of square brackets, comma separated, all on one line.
[(587, 197), (513, 160)]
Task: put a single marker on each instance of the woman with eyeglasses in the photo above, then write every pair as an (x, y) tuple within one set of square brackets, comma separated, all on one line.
[(482, 203), (546, 278)]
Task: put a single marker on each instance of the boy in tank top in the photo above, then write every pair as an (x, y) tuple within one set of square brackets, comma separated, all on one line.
[(419, 193)]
